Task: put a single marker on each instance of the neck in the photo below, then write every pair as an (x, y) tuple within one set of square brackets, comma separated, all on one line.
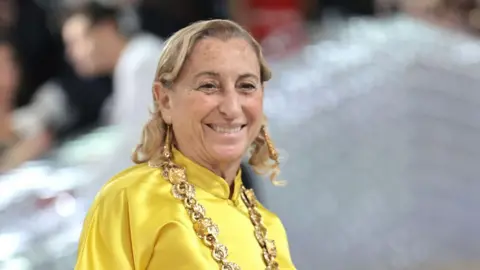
[(228, 170)]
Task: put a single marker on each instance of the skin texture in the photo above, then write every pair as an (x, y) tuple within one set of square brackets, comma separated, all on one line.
[(219, 86)]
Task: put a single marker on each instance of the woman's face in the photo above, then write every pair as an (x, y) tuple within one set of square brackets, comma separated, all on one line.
[(216, 106)]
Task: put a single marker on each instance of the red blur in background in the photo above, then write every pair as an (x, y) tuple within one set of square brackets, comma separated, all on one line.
[(278, 25)]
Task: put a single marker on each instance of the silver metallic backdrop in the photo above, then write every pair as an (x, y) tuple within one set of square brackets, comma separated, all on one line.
[(383, 144)]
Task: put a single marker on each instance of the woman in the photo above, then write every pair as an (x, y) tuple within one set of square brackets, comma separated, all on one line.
[(183, 206)]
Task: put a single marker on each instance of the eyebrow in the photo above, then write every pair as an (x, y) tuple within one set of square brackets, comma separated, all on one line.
[(207, 73), (249, 75), (216, 74)]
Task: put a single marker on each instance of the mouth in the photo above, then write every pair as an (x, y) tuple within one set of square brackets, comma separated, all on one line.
[(231, 129)]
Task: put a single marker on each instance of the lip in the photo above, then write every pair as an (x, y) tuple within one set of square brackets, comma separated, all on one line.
[(227, 129)]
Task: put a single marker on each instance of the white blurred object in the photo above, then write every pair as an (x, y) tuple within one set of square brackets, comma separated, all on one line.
[(18, 263), (11, 243), (48, 109), (132, 81), (65, 205), (91, 148)]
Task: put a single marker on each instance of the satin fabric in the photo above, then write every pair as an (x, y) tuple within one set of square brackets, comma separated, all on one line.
[(136, 223)]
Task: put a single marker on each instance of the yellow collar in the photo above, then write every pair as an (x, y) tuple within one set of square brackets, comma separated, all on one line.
[(205, 179)]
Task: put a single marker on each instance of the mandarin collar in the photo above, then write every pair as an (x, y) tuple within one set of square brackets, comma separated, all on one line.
[(207, 180)]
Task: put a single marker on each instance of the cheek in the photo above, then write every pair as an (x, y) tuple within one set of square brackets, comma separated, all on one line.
[(80, 52), (192, 106), (253, 108), (8, 77), (95, 50)]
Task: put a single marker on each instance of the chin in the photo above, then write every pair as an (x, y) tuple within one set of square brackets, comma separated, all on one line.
[(85, 73), (228, 153)]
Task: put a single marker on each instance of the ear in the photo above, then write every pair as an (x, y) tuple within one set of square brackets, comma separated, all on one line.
[(163, 99)]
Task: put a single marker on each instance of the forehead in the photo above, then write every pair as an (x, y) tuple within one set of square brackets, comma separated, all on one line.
[(213, 54), (75, 26)]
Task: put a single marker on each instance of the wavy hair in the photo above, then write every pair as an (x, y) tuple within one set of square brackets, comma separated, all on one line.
[(174, 55)]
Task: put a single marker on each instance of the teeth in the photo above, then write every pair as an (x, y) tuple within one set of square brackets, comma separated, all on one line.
[(226, 129)]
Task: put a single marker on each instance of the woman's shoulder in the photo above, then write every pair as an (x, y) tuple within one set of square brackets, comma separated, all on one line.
[(136, 183), (141, 193), (134, 177)]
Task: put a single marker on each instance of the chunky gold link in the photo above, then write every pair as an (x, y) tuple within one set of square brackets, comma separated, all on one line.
[(267, 245), (206, 229)]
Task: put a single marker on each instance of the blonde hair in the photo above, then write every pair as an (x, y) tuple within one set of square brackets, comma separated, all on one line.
[(174, 55)]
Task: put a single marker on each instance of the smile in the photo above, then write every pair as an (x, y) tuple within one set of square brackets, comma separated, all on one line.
[(226, 129)]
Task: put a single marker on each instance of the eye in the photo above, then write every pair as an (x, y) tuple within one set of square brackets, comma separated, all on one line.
[(248, 87), (208, 87)]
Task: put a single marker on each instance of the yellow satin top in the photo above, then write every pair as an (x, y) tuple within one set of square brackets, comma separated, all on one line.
[(136, 223)]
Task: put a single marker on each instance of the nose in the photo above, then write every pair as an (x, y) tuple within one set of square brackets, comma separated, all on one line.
[(231, 104)]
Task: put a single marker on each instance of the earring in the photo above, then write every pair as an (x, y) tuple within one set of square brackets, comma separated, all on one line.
[(272, 153), (167, 143)]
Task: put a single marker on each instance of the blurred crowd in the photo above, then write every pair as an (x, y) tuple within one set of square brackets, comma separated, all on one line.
[(69, 66), (76, 78)]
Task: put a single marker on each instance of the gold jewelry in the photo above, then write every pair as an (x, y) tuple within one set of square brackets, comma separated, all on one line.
[(268, 245), (204, 227), (167, 143), (272, 153)]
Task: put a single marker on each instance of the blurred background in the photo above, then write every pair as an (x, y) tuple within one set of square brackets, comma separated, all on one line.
[(374, 105)]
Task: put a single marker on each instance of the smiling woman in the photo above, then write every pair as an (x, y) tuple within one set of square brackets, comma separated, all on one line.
[(215, 106), (184, 205)]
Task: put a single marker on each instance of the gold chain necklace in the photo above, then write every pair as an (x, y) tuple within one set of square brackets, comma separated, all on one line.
[(206, 229)]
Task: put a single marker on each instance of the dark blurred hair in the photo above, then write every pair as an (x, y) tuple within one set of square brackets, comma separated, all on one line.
[(4, 36), (459, 5), (95, 12)]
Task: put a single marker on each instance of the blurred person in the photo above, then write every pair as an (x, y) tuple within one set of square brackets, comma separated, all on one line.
[(386, 7), (97, 45), (39, 47), (357, 7), (460, 13), (7, 13), (20, 140), (163, 18), (279, 25), (208, 92), (49, 94)]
